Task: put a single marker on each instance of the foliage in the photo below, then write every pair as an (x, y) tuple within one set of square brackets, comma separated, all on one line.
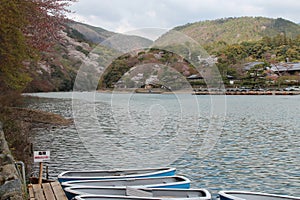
[(26, 27), (73, 33), (231, 60), (269, 50), (236, 30), (150, 56), (13, 46), (46, 19), (93, 34)]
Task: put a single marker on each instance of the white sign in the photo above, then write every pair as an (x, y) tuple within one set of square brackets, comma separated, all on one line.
[(41, 156)]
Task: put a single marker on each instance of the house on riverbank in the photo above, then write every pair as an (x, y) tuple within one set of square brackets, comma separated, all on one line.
[(286, 68)]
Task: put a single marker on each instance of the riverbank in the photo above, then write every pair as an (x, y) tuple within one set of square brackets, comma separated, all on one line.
[(18, 130), (38, 117), (247, 93), (203, 92), (10, 181), (23, 120)]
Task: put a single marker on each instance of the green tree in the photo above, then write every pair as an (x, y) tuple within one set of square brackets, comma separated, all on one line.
[(13, 46), (26, 28)]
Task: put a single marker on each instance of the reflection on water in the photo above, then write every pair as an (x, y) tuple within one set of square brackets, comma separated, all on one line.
[(258, 149)]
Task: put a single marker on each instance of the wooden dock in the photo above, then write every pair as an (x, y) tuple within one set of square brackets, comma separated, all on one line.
[(46, 191)]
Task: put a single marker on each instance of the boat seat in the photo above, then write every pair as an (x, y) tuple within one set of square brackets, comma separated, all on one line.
[(192, 195), (130, 191)]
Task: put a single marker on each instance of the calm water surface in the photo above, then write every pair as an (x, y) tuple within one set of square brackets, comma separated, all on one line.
[(257, 148)]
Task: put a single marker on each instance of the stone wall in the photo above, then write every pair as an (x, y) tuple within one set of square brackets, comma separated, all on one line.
[(10, 183)]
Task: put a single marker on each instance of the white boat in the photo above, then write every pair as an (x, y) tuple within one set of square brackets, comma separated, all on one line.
[(115, 174), (161, 193), (153, 182), (243, 195), (97, 197)]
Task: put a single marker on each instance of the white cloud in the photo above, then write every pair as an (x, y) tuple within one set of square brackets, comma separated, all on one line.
[(124, 26), (151, 13), (120, 15)]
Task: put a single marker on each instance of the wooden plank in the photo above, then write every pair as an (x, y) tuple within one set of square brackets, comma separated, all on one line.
[(38, 192), (30, 191), (48, 191), (58, 191)]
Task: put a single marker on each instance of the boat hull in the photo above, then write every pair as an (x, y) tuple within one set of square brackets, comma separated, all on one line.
[(115, 174), (111, 197), (153, 182), (243, 195), (182, 194)]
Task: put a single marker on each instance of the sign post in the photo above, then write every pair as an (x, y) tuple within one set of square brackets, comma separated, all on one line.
[(41, 174), (40, 157)]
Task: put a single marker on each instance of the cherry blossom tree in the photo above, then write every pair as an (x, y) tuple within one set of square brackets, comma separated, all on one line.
[(27, 27)]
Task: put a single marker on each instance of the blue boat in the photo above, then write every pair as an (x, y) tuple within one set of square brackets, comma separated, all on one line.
[(161, 193), (115, 174), (243, 195), (153, 182)]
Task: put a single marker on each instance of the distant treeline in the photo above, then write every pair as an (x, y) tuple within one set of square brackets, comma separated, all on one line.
[(269, 50)]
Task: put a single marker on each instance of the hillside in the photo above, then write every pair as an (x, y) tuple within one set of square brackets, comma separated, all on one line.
[(97, 35), (91, 33), (57, 70), (236, 30)]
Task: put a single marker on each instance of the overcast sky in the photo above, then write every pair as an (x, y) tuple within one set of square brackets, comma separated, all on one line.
[(126, 15)]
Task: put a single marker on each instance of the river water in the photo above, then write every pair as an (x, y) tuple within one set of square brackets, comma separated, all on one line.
[(221, 143)]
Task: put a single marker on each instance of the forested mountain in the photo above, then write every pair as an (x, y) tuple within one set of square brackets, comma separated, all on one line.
[(91, 33), (97, 35), (244, 39), (236, 30), (57, 69)]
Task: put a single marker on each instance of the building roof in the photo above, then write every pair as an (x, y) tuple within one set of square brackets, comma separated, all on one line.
[(285, 67), (250, 65)]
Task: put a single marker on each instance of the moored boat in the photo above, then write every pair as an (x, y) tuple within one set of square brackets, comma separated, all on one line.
[(153, 182), (244, 195), (115, 174), (99, 197), (162, 193)]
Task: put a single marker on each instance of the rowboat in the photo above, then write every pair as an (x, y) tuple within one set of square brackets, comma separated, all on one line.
[(243, 195), (115, 174), (98, 197), (153, 182), (182, 194)]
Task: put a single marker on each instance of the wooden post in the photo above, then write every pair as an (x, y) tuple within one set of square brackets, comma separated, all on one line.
[(41, 174)]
